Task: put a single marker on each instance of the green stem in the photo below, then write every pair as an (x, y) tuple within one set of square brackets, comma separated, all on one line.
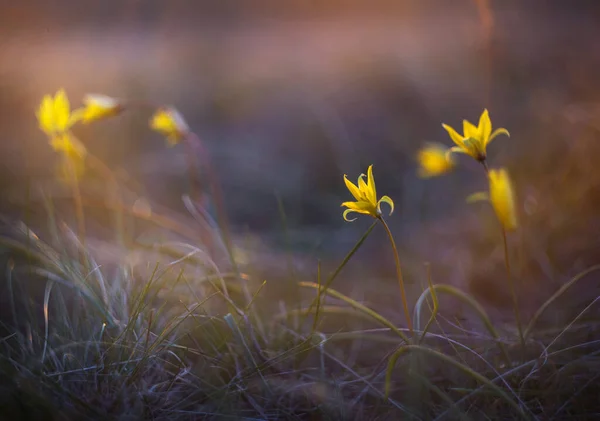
[(398, 274), (340, 267)]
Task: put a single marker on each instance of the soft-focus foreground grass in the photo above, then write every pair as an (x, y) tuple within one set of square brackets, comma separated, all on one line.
[(168, 330), (151, 315)]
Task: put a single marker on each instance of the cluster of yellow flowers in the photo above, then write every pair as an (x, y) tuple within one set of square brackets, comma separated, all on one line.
[(436, 159), (56, 120)]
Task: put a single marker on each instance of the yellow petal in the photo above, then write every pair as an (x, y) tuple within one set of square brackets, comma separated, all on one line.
[(389, 201), (485, 127), (458, 149), (503, 198), (170, 123), (99, 107), (371, 190), (469, 129), (363, 187), (497, 132), (360, 206), (434, 160), (458, 139), (45, 115), (62, 110), (352, 188), (345, 215)]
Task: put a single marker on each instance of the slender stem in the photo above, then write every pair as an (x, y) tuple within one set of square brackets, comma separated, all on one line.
[(193, 141), (512, 290), (78, 208), (337, 271), (398, 273)]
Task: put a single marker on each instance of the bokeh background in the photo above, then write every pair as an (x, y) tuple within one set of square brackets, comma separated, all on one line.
[(290, 95)]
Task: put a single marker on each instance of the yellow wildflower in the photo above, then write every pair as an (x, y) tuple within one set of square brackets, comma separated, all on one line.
[(366, 197), (474, 140), (98, 107), (170, 123), (56, 119), (501, 196), (54, 114), (434, 160)]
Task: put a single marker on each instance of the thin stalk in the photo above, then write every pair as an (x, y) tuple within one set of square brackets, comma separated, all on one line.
[(398, 274), (337, 271), (512, 290), (79, 214), (193, 141)]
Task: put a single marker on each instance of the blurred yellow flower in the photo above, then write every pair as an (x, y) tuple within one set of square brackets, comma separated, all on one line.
[(170, 123), (501, 196), (56, 119), (434, 160), (474, 140), (366, 197), (98, 107), (54, 114)]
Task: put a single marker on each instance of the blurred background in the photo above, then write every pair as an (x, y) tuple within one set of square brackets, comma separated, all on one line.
[(290, 95)]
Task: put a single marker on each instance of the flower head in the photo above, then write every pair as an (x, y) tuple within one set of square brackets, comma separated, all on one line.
[(98, 107), (54, 114), (366, 197), (501, 196), (56, 119), (474, 140), (434, 160), (170, 123)]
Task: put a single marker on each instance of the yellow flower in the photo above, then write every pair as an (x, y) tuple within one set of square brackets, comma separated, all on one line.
[(56, 119), (98, 107), (502, 198), (434, 160), (366, 197), (474, 140), (170, 123), (54, 114)]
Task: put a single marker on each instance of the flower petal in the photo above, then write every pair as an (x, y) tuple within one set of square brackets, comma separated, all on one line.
[(434, 160), (458, 139), (352, 188), (45, 115), (389, 201), (371, 190), (360, 206), (484, 127), (345, 215), (469, 129), (62, 110), (498, 132)]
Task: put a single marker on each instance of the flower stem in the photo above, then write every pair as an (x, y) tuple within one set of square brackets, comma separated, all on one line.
[(512, 290), (78, 209), (337, 271), (398, 273), (193, 141)]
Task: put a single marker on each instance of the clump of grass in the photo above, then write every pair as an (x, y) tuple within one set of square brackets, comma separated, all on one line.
[(193, 336)]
